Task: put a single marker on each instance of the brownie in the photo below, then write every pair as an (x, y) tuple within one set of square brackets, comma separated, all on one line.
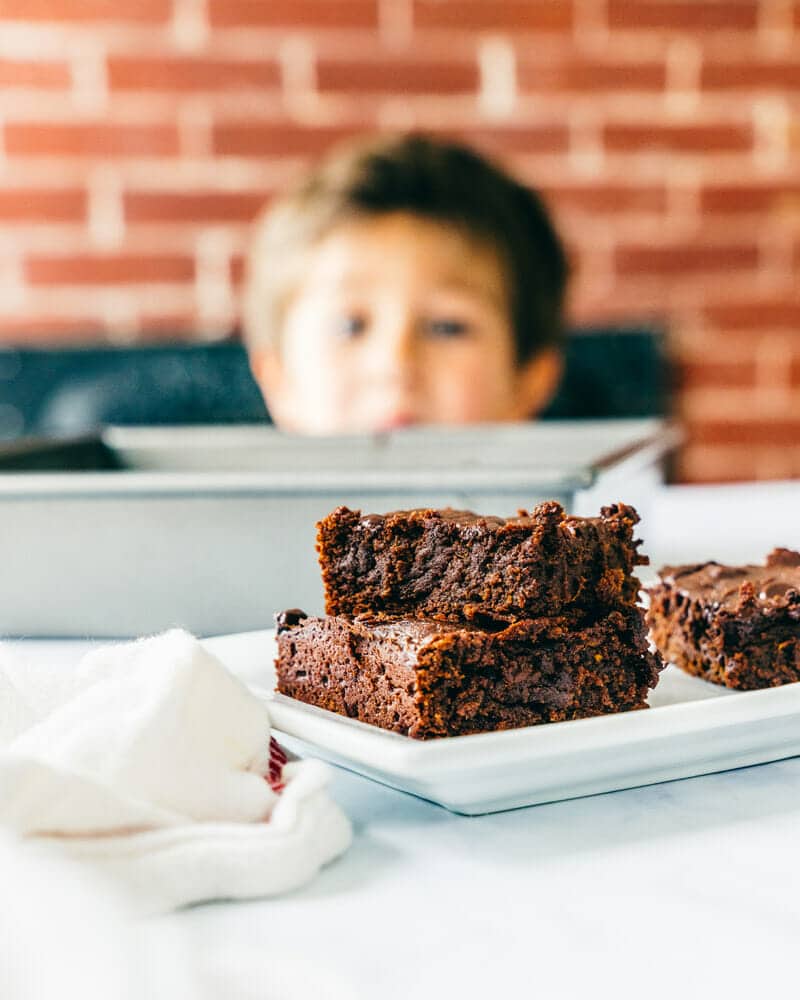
[(426, 678), (456, 565), (733, 625)]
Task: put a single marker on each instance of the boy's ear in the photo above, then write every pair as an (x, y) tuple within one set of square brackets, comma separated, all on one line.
[(537, 381)]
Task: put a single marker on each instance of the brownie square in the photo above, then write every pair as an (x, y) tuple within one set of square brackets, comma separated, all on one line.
[(425, 678), (456, 565), (733, 625)]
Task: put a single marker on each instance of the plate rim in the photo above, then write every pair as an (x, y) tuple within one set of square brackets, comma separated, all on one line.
[(401, 755)]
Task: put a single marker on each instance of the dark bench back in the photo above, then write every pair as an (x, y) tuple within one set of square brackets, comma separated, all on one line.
[(609, 373)]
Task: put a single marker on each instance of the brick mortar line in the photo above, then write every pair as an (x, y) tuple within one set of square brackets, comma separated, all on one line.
[(190, 27), (611, 107), (154, 173), (42, 41)]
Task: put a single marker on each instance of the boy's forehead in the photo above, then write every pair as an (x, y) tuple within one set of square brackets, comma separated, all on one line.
[(358, 253)]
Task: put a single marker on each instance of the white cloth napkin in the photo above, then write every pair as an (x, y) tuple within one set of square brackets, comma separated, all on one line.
[(156, 764)]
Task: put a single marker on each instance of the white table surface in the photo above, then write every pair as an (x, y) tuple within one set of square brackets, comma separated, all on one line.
[(689, 888)]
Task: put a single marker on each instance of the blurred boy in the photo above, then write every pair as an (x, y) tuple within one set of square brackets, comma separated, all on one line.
[(406, 280)]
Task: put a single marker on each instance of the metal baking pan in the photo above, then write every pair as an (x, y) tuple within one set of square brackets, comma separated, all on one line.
[(213, 528)]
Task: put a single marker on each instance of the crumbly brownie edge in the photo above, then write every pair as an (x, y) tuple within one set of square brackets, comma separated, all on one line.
[(457, 565)]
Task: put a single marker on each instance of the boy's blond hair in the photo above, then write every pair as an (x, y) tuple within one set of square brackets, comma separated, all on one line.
[(436, 180)]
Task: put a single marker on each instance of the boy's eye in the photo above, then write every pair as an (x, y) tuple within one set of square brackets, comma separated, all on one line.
[(447, 328), (350, 326)]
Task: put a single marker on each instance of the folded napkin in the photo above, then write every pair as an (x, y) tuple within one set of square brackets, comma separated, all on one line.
[(156, 764)]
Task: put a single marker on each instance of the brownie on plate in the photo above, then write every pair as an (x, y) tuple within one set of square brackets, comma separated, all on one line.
[(459, 566), (733, 625), (427, 678)]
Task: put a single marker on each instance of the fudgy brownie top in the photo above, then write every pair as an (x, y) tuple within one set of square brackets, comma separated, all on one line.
[(772, 586), (544, 513), (412, 630), (416, 632)]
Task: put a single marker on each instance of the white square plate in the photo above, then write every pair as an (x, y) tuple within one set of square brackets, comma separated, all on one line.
[(692, 728)]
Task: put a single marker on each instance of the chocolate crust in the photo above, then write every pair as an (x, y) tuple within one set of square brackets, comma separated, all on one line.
[(457, 565), (426, 678), (738, 626)]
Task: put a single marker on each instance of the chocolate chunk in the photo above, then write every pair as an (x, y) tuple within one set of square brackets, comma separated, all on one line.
[(288, 619)]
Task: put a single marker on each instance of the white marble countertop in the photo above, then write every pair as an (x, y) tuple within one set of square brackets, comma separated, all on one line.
[(689, 888)]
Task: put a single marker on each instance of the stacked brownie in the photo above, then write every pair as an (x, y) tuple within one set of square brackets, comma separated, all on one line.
[(444, 623), (733, 625)]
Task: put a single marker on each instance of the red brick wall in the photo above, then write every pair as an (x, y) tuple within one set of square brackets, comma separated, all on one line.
[(138, 138)]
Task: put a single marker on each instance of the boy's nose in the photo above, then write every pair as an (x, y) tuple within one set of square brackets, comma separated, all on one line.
[(396, 351)]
